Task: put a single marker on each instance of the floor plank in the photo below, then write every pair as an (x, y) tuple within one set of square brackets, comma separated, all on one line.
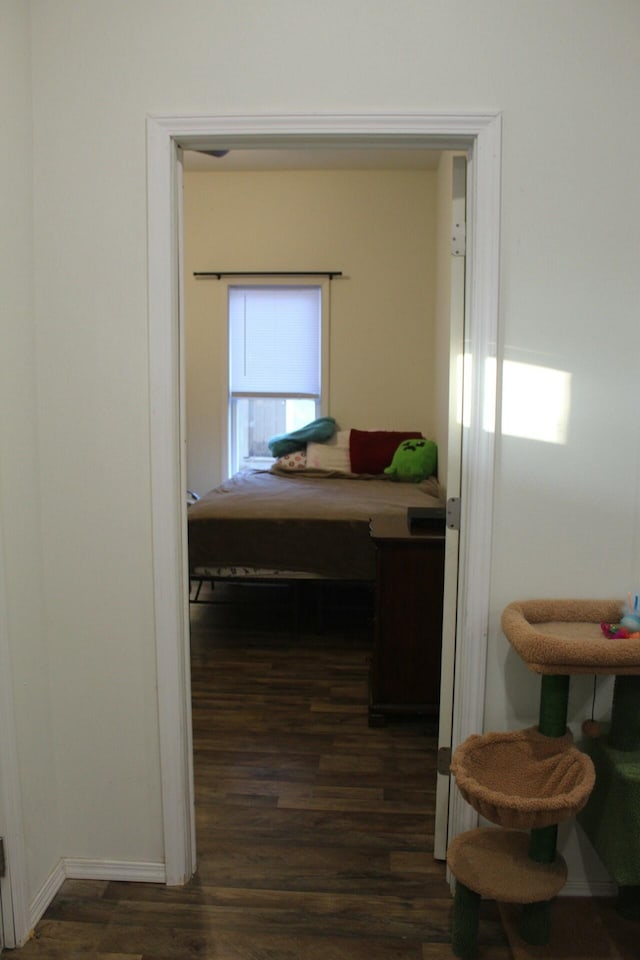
[(314, 831)]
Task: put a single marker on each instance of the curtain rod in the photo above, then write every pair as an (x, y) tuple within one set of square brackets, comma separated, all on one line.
[(218, 274)]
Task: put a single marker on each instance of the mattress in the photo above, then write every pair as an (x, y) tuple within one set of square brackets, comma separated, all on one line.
[(315, 524)]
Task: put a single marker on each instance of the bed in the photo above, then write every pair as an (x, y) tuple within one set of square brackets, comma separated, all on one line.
[(313, 524)]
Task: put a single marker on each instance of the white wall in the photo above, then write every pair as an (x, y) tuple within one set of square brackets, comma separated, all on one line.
[(378, 228), (19, 475), (564, 75)]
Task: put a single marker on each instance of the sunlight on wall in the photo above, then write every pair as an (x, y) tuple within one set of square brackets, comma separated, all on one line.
[(536, 400)]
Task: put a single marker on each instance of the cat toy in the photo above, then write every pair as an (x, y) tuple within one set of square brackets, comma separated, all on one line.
[(629, 626)]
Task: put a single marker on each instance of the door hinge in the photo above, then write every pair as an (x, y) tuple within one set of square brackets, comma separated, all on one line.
[(453, 513), (444, 761), (459, 239), (3, 863)]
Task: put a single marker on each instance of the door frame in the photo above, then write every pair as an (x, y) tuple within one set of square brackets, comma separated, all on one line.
[(13, 887), (456, 203), (480, 135)]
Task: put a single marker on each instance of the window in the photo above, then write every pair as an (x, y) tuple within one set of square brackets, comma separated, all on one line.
[(276, 348)]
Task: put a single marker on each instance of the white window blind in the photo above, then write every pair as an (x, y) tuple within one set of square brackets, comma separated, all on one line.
[(275, 341)]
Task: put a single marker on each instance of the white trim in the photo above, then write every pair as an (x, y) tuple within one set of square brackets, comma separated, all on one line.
[(481, 134), (15, 921), (168, 508), (129, 871), (456, 212), (483, 236), (70, 869), (443, 130), (588, 888), (45, 895)]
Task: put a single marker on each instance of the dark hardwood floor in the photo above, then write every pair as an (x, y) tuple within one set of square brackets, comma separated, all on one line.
[(315, 831)]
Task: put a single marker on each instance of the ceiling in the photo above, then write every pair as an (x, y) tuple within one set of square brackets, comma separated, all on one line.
[(334, 158)]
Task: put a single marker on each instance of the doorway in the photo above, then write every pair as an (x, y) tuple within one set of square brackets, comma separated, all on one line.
[(383, 218), (480, 135)]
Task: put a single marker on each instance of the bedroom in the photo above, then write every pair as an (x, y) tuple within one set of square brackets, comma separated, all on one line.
[(377, 225), (384, 216), (379, 217)]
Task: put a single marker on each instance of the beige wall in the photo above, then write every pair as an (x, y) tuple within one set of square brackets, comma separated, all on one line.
[(378, 228), (565, 78)]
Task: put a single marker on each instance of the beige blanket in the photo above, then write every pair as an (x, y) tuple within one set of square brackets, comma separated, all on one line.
[(316, 523)]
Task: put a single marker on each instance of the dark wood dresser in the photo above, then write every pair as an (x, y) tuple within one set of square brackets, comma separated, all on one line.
[(405, 668)]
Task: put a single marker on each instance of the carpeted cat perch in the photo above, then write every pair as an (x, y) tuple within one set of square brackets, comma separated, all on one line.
[(532, 780)]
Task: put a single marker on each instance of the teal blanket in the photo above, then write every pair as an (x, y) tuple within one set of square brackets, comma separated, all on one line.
[(315, 432)]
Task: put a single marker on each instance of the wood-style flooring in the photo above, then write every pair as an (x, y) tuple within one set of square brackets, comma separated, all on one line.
[(315, 831)]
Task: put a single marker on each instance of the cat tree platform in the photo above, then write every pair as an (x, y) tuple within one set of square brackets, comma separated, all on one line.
[(522, 779), (536, 778), (495, 864), (564, 637), (559, 638)]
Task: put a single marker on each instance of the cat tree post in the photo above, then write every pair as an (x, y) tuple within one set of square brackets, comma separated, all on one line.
[(466, 921), (535, 919)]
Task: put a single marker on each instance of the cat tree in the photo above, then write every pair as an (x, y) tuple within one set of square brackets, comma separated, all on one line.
[(532, 780)]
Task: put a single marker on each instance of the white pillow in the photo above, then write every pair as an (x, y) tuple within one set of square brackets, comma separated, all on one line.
[(332, 455), (292, 461)]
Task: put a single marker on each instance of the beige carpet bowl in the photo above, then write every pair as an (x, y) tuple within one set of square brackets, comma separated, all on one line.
[(522, 779), (496, 864)]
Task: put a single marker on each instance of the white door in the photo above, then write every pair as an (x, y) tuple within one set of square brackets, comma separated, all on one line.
[(8, 768), (1, 927), (452, 479)]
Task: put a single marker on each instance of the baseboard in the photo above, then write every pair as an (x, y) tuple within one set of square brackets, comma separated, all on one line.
[(587, 888), (46, 894), (572, 888), (69, 868), (133, 871)]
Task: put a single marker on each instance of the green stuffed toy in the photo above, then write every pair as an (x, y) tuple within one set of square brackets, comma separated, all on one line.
[(414, 460)]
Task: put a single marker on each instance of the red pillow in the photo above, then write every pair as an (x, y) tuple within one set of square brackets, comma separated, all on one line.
[(372, 450)]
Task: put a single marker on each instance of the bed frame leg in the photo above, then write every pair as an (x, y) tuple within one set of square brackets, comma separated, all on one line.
[(320, 605), (377, 719)]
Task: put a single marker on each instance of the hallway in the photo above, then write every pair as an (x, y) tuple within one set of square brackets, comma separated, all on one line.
[(314, 830)]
